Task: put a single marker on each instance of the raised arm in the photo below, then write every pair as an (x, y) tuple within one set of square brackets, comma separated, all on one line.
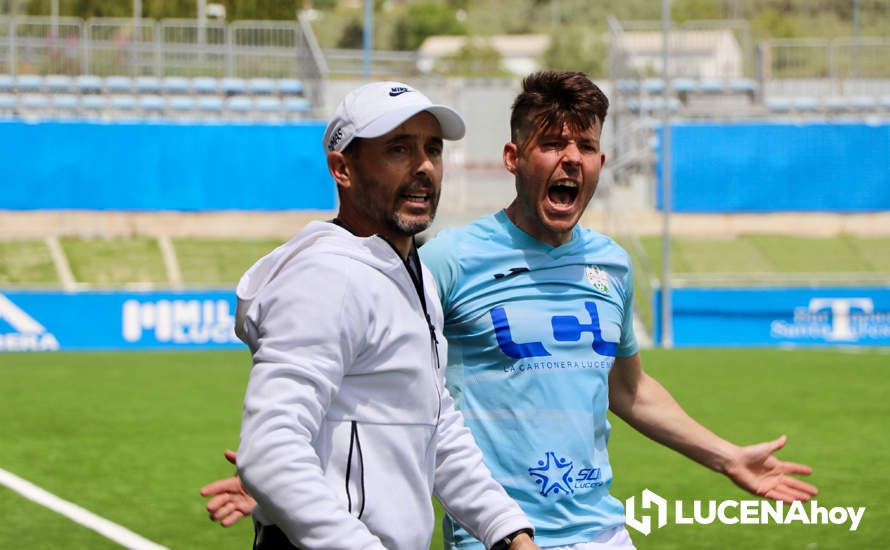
[(645, 404)]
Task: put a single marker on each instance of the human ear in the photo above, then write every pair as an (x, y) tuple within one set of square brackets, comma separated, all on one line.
[(339, 169), (511, 156)]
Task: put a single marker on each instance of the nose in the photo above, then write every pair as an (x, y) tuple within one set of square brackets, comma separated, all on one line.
[(425, 164), (571, 155)]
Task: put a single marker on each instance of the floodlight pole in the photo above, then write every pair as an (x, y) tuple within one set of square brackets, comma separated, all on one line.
[(54, 19), (855, 38), (202, 24), (667, 329), (367, 38)]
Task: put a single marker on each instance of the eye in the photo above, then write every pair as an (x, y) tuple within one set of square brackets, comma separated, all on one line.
[(397, 149), (434, 151)]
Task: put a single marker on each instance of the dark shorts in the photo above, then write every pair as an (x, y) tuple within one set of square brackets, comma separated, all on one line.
[(270, 537)]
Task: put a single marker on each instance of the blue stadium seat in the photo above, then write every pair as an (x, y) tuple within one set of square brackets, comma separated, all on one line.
[(94, 102), (656, 104), (58, 83), (65, 102), (778, 104), (148, 85), (34, 102), (684, 85), (290, 86), (29, 82), (633, 105), (742, 86), (239, 104), (118, 84), (296, 105), (210, 104), (628, 86), (838, 104), (152, 103), (172, 85), (123, 102), (205, 85), (7, 102), (711, 86), (233, 86), (864, 103), (268, 104), (653, 85), (181, 103), (88, 84), (805, 104), (261, 86), (7, 83)]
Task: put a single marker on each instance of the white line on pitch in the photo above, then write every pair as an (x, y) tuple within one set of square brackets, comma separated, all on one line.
[(75, 513)]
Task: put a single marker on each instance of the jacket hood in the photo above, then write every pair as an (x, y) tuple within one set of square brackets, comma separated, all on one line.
[(326, 236)]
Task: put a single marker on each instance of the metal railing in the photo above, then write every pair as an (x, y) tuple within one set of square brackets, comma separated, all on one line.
[(839, 58), (169, 47)]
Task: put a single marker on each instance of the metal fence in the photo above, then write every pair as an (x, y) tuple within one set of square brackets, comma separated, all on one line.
[(169, 47), (837, 59)]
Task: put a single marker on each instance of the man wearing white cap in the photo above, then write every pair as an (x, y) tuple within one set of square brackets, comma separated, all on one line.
[(348, 429)]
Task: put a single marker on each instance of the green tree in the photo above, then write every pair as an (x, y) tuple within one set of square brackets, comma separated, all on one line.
[(353, 35), (422, 20), (576, 48), (686, 10), (261, 9), (772, 24), (475, 58)]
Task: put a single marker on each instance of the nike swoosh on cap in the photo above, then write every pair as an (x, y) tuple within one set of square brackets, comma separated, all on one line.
[(395, 92)]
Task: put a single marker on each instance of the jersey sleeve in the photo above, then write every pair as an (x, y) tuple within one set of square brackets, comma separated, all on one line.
[(439, 256), (628, 346)]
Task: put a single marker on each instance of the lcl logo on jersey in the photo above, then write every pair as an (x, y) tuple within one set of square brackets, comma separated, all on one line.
[(566, 328)]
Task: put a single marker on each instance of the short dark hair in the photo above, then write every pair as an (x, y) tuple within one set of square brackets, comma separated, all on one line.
[(553, 99), (352, 149)]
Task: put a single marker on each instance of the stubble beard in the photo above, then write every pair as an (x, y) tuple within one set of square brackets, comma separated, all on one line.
[(412, 226), (395, 220)]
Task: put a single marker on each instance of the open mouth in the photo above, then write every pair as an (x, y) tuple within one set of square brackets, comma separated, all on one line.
[(563, 192), (417, 198)]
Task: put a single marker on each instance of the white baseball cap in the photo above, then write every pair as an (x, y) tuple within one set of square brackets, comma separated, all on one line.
[(377, 108)]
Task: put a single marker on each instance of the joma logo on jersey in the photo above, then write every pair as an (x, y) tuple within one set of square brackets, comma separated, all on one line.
[(566, 328)]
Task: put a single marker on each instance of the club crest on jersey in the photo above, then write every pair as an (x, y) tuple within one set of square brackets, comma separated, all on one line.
[(597, 277)]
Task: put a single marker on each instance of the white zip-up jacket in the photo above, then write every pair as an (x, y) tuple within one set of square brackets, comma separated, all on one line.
[(348, 429)]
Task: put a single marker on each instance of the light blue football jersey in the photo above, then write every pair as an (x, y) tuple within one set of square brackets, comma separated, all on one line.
[(532, 333)]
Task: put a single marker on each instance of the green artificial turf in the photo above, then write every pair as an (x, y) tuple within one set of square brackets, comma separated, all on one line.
[(133, 436)]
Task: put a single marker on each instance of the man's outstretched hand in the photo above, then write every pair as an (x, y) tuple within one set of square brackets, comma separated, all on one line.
[(757, 470), (230, 501)]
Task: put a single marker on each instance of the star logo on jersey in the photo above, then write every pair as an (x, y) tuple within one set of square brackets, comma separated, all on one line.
[(597, 277), (553, 475)]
